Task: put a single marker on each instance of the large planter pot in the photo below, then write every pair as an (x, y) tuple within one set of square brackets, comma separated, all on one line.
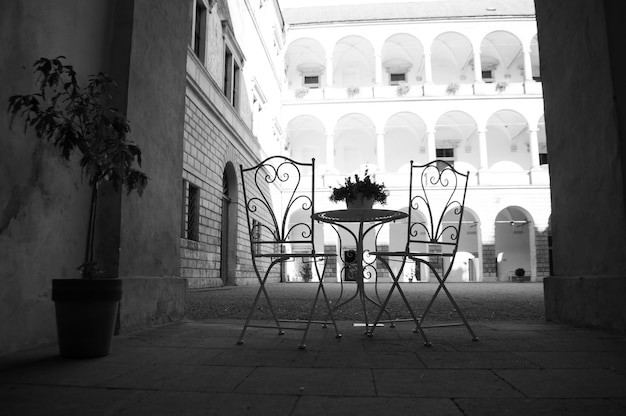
[(86, 313)]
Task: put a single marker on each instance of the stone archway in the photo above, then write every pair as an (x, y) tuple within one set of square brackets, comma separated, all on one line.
[(515, 243), (228, 243)]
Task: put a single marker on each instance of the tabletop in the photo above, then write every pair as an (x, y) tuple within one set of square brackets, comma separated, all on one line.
[(359, 215)]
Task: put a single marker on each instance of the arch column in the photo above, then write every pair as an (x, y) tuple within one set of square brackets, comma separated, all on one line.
[(478, 68), (428, 68), (536, 174), (534, 149), (380, 151), (528, 67), (482, 150), (330, 152), (329, 72), (378, 73), (483, 170), (431, 145)]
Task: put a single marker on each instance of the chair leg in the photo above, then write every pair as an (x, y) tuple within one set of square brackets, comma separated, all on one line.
[(330, 312), (320, 288), (260, 291), (396, 285), (442, 286)]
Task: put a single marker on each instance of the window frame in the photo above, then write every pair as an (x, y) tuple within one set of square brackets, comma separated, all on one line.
[(446, 154), (233, 66), (311, 84), (190, 227), (398, 81), (199, 29), (491, 75)]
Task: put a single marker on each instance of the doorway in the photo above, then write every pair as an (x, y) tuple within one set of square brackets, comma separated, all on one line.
[(228, 243)]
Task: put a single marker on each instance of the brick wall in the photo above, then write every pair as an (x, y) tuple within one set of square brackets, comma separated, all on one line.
[(543, 254), (207, 149), (489, 263)]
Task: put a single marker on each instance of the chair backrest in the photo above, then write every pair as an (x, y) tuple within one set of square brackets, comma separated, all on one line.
[(279, 200), (436, 204)]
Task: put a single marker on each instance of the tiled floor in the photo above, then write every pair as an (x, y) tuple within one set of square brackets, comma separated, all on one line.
[(196, 368)]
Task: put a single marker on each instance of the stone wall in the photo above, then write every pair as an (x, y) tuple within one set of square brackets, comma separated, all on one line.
[(45, 202), (581, 49), (203, 160)]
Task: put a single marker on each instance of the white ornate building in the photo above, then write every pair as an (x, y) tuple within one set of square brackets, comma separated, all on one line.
[(373, 86), (367, 85)]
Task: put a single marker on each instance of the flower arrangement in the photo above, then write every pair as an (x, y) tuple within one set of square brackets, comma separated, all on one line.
[(359, 191), (403, 89), (452, 88), (301, 92), (352, 91)]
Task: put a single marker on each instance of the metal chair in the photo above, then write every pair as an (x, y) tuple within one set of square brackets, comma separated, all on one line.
[(279, 199), (435, 215)]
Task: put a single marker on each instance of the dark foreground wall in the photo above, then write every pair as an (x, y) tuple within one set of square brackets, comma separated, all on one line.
[(149, 245), (580, 42), (44, 201)]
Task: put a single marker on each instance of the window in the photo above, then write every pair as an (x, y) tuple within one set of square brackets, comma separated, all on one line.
[(233, 62), (543, 158), (231, 78), (235, 91), (396, 79), (446, 154), (191, 211), (228, 63), (312, 81), (487, 75), (199, 30)]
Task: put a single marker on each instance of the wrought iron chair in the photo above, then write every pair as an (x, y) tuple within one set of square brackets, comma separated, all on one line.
[(281, 230), (435, 214)]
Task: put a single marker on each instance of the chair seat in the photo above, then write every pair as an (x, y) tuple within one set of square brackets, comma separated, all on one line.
[(295, 255), (408, 254)]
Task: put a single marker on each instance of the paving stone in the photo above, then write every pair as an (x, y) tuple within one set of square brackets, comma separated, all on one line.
[(203, 404), (362, 359), (441, 383), (309, 381), (476, 360), (538, 407), (26, 399), (182, 378), (374, 406), (567, 383)]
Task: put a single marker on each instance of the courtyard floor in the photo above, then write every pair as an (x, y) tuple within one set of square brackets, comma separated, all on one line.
[(195, 367)]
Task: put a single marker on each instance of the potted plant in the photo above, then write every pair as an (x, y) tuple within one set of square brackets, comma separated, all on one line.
[(360, 193), (80, 120), (301, 92), (452, 88), (519, 274), (353, 91), (402, 89)]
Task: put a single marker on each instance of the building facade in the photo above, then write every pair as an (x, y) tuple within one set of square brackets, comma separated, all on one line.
[(371, 91)]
